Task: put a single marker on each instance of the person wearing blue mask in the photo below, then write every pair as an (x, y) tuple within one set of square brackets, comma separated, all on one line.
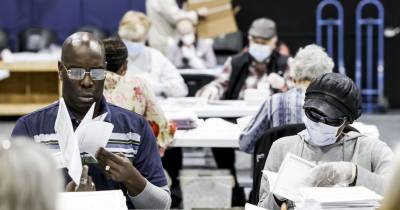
[(343, 157), (260, 66), (146, 62)]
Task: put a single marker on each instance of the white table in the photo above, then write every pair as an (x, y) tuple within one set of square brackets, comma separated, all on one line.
[(210, 133), (185, 139), (222, 108)]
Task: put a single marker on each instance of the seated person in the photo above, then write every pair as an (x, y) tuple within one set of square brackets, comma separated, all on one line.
[(287, 108), (332, 102), (146, 62), (261, 67), (187, 51), (133, 93), (130, 160), (29, 176)]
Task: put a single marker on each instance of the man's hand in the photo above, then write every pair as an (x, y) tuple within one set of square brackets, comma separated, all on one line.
[(331, 174), (120, 169), (86, 182)]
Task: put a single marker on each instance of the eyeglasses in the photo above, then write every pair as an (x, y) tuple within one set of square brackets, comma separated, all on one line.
[(318, 117), (79, 73)]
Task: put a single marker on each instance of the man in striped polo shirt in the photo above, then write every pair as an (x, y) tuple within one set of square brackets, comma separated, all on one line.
[(130, 161)]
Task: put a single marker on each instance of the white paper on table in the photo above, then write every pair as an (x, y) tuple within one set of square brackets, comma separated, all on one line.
[(291, 177), (99, 200), (68, 142), (358, 196), (4, 74), (93, 135), (249, 206)]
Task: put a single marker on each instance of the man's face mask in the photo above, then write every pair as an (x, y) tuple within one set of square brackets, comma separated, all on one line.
[(259, 52), (323, 131), (134, 48)]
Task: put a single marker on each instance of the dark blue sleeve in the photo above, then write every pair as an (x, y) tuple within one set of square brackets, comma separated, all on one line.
[(148, 160), (21, 129)]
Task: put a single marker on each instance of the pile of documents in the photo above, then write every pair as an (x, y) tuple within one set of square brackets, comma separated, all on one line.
[(341, 198), (100, 200), (183, 120), (290, 182)]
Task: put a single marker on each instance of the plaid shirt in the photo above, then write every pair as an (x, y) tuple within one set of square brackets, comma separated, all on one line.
[(280, 109)]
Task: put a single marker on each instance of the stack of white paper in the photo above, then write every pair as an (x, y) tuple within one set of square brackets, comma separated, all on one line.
[(183, 119), (100, 200), (89, 136), (342, 197)]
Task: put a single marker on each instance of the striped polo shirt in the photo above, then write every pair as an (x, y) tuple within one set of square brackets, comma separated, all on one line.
[(131, 136)]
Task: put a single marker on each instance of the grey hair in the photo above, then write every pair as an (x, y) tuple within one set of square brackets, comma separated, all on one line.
[(310, 62), (29, 178)]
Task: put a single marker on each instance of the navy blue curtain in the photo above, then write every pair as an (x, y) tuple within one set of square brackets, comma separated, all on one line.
[(63, 16)]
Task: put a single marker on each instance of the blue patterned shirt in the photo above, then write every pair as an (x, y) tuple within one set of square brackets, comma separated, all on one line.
[(280, 109)]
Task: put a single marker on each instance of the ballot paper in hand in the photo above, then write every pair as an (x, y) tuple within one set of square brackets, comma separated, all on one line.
[(68, 143), (100, 200), (90, 135), (290, 178)]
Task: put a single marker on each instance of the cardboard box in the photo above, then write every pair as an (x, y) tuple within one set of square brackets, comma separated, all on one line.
[(219, 21)]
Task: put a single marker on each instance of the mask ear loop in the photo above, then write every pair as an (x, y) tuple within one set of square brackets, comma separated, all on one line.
[(341, 127)]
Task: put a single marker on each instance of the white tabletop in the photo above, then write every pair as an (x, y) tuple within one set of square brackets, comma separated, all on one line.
[(188, 139), (213, 132), (223, 108)]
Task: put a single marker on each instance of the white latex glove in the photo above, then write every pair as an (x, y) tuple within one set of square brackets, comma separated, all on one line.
[(208, 92), (276, 81), (331, 174)]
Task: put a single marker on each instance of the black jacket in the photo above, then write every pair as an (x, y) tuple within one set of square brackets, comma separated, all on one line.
[(240, 70)]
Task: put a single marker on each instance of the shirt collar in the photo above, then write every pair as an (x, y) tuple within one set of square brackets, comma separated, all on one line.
[(103, 109)]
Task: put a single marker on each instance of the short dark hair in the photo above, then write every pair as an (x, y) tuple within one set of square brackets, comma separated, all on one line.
[(116, 53)]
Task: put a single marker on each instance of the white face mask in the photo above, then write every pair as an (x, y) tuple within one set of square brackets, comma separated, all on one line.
[(321, 134), (188, 39), (259, 52), (134, 48)]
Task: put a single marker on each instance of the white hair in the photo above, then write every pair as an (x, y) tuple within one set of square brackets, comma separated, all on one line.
[(29, 178), (310, 62)]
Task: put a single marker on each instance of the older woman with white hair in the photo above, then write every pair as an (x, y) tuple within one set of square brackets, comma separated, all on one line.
[(29, 176), (287, 108), (146, 62)]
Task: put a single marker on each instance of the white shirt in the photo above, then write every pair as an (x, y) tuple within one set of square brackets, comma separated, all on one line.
[(163, 15), (158, 71)]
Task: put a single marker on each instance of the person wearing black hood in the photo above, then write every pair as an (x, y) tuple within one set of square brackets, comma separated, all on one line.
[(332, 102)]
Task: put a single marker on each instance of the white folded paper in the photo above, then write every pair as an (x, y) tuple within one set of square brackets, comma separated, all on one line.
[(4, 74), (89, 136), (99, 200), (290, 178)]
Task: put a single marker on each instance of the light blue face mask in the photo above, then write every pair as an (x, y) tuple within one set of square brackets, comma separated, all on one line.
[(259, 52), (321, 134), (134, 48)]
